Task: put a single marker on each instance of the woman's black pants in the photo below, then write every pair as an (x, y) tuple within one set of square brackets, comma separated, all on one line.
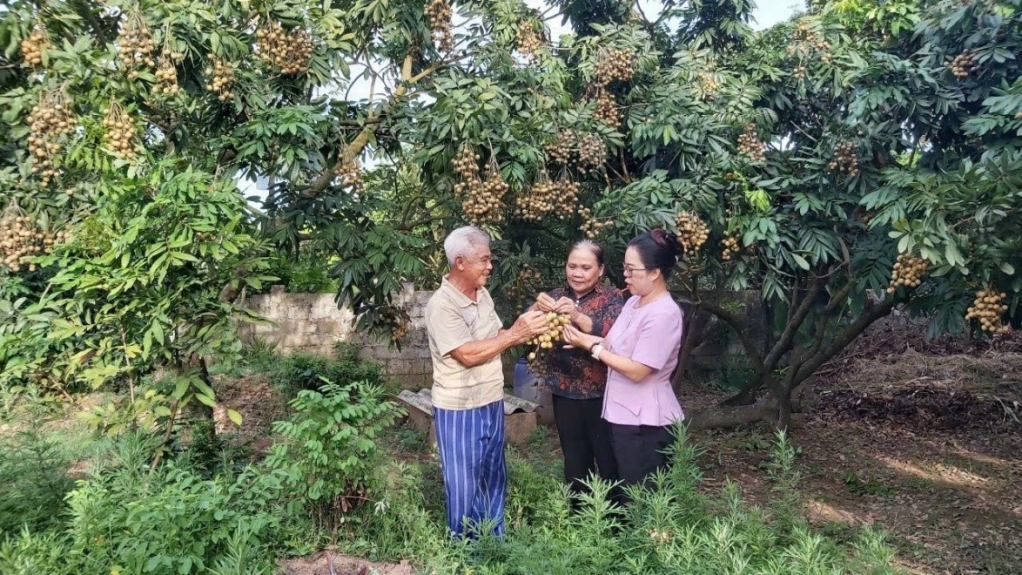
[(638, 450), (585, 440)]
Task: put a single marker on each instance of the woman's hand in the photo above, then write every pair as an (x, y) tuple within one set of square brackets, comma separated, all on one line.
[(575, 338), (547, 304)]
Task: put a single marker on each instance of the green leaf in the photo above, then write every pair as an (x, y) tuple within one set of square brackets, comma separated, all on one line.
[(801, 261), (1007, 268), (205, 399), (234, 416)]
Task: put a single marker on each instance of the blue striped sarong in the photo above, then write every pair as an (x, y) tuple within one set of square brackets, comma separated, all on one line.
[(471, 444)]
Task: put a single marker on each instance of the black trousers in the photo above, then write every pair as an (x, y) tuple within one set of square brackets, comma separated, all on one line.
[(585, 441), (638, 450)]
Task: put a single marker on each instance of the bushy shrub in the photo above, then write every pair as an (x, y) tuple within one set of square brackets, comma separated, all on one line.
[(672, 528), (330, 449), (33, 481), (303, 371)]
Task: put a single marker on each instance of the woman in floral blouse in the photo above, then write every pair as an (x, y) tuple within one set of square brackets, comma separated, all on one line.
[(577, 380)]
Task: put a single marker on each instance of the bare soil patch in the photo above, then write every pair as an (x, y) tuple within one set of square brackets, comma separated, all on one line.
[(926, 446), (326, 563)]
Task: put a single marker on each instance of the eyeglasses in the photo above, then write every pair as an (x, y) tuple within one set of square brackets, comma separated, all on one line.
[(629, 271)]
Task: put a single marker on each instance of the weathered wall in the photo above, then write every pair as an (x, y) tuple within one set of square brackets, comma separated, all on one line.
[(312, 323)]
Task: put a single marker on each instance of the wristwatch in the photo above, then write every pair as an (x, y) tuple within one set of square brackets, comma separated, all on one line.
[(597, 350)]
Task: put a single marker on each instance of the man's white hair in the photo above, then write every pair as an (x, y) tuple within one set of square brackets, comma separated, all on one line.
[(463, 241)]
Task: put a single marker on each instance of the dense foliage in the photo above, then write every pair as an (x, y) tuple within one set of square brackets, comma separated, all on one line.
[(855, 148)]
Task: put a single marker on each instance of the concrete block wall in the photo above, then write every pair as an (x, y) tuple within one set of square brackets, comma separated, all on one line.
[(312, 323)]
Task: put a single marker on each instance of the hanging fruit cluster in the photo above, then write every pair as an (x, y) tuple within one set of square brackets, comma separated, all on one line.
[(988, 308), (613, 64), (220, 78), (48, 121), (540, 200), (349, 172), (21, 238), (963, 64), (166, 73), (562, 151), (606, 109), (34, 45), (846, 160), (590, 226), (591, 153), (438, 12), (799, 72), (481, 200), (527, 277), (908, 271), (135, 44), (528, 40), (749, 144), (707, 83), (731, 247), (120, 131), (555, 328), (692, 231), (288, 52)]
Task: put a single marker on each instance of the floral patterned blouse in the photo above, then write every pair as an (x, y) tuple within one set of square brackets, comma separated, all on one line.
[(573, 373)]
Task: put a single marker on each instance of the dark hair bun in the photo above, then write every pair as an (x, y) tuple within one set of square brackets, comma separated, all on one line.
[(667, 240)]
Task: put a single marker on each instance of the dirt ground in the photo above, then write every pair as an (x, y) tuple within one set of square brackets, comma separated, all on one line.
[(326, 563), (927, 447), (926, 444)]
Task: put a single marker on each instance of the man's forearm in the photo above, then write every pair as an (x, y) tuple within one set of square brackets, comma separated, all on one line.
[(479, 352)]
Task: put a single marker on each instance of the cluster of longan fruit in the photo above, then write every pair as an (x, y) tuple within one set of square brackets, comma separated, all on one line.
[(438, 12), (120, 131), (288, 52), (166, 73), (555, 323), (707, 83), (988, 308), (613, 64), (963, 64), (527, 275), (799, 72), (561, 151), (487, 206), (21, 239), (749, 144), (591, 153), (548, 197), (528, 40), (220, 78), (33, 46), (908, 271), (349, 173), (135, 44), (606, 109), (731, 247), (481, 200), (692, 231), (846, 160), (50, 119), (590, 226)]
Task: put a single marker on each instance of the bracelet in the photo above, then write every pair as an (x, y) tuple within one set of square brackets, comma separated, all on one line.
[(597, 350)]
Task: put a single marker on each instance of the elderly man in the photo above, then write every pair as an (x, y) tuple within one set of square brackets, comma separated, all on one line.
[(465, 342)]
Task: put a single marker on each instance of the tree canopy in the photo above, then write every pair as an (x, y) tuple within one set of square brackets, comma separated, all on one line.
[(857, 149)]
